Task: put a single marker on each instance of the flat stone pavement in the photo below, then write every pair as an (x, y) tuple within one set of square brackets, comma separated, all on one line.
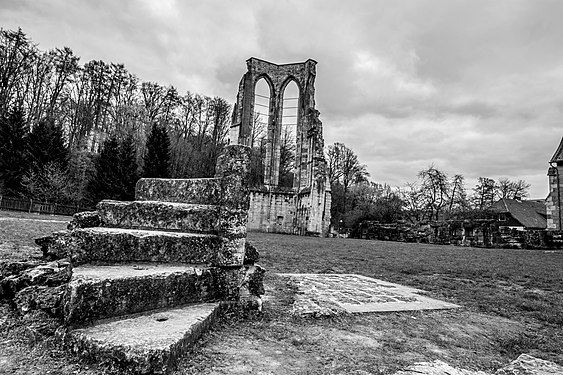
[(331, 294)]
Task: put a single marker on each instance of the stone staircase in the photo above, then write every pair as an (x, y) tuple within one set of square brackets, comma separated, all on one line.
[(149, 277)]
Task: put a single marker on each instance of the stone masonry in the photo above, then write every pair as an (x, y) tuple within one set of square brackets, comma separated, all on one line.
[(135, 284), (554, 200), (305, 209)]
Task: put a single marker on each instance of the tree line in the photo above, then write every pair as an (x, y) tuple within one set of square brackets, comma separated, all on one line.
[(433, 196), (72, 133)]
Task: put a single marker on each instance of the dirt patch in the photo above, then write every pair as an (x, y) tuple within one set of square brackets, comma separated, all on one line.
[(277, 343)]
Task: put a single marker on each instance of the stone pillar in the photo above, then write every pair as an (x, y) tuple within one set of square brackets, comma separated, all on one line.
[(554, 201), (233, 171)]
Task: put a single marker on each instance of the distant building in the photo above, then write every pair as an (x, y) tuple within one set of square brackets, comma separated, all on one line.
[(554, 201), (520, 214)]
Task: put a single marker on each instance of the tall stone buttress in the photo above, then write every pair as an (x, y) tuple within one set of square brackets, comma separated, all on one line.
[(305, 207), (554, 200)]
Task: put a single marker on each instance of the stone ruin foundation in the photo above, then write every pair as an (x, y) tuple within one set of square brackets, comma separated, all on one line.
[(304, 208), (134, 284)]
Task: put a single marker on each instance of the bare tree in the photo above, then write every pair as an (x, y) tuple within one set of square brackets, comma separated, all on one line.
[(512, 189), (414, 202), (287, 157), (484, 193), (435, 191), (344, 166), (17, 58), (458, 195), (344, 170)]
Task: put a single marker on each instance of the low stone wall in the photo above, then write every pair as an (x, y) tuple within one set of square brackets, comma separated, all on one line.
[(483, 233)]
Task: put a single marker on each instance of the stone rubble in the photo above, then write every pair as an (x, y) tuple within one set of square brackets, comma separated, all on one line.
[(527, 365), (523, 365)]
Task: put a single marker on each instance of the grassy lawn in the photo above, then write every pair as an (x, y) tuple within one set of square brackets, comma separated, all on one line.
[(512, 299), (19, 229)]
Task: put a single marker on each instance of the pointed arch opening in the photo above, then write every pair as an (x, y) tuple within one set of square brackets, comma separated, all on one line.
[(259, 130), (288, 135)]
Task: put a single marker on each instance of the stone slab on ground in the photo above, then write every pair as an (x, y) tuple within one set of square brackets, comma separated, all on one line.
[(103, 291), (436, 367), (148, 343), (330, 294)]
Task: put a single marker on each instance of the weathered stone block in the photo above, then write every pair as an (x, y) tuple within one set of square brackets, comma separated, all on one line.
[(228, 282), (97, 292), (254, 280), (231, 252), (47, 274), (126, 245), (235, 192), (39, 297), (44, 242), (251, 254), (197, 191), (234, 160), (151, 343), (232, 222), (159, 215), (252, 287), (86, 219), (9, 268)]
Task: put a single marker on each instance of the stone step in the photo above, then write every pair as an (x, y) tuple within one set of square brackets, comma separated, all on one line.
[(100, 244), (199, 218), (194, 190), (103, 291), (226, 191), (143, 344)]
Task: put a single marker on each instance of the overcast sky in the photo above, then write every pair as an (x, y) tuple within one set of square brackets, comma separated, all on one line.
[(474, 87)]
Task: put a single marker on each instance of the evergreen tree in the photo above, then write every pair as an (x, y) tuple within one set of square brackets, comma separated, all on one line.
[(157, 158), (116, 171), (14, 134), (105, 181), (47, 145), (127, 169)]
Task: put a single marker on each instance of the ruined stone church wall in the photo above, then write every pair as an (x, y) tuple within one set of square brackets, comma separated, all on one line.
[(286, 212), (306, 208), (272, 212)]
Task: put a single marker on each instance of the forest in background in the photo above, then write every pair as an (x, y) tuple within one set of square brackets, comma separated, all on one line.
[(72, 133)]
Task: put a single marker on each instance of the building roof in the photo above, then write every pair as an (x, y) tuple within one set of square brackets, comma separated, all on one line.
[(558, 156), (530, 213)]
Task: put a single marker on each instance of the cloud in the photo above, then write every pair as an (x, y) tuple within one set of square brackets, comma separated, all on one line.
[(470, 85)]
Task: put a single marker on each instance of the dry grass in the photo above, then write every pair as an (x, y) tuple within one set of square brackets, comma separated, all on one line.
[(513, 304)]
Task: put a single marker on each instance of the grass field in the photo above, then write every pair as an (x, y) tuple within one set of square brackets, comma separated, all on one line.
[(512, 299)]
